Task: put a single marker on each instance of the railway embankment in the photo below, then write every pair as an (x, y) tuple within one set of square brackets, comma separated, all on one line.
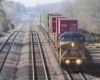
[(95, 53)]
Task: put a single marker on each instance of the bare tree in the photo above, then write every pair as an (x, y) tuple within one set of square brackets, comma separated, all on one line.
[(86, 11)]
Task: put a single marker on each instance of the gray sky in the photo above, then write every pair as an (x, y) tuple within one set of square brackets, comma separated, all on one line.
[(28, 3)]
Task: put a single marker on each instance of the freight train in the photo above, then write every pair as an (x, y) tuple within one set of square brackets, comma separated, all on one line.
[(67, 42)]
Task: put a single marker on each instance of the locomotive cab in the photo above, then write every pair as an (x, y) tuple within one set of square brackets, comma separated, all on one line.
[(67, 37), (72, 51)]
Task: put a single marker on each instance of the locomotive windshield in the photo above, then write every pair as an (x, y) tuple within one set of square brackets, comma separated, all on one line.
[(76, 39), (79, 39), (66, 39)]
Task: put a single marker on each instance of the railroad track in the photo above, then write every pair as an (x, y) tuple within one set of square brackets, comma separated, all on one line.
[(37, 70), (4, 51), (75, 76), (39, 65)]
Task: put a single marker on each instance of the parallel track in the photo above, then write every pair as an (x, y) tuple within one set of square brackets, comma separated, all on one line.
[(4, 51), (75, 76), (38, 61), (10, 37)]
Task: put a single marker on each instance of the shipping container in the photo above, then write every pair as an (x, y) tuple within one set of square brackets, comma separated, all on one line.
[(73, 25), (44, 19), (52, 14), (53, 23), (65, 25), (57, 24)]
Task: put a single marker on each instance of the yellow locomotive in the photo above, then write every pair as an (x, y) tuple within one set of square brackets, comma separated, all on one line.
[(72, 51)]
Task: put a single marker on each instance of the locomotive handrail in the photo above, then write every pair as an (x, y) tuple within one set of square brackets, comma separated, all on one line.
[(82, 54), (63, 55)]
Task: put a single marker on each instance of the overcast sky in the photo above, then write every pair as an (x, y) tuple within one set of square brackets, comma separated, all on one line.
[(29, 3)]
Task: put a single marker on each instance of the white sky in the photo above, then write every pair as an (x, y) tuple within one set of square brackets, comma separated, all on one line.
[(29, 3)]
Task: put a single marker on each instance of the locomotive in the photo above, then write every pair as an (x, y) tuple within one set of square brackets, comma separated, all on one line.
[(67, 42), (72, 51)]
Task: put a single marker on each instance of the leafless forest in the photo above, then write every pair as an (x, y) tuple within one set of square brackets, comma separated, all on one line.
[(87, 12), (10, 15)]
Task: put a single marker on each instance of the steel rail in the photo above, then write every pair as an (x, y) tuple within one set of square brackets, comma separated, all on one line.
[(33, 58), (68, 76), (41, 51), (71, 78), (8, 39), (6, 42), (2, 64), (82, 76), (4, 60)]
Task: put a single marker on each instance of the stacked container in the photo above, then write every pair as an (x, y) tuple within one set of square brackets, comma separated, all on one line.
[(65, 25), (43, 20), (49, 18), (55, 24)]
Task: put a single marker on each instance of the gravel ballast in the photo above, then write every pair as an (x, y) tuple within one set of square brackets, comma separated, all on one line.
[(52, 64)]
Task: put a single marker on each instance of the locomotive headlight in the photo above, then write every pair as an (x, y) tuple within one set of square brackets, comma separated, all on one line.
[(67, 61), (72, 44), (78, 61)]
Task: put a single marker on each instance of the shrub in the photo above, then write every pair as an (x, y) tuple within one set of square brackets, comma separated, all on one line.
[(5, 28), (12, 26), (97, 40)]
